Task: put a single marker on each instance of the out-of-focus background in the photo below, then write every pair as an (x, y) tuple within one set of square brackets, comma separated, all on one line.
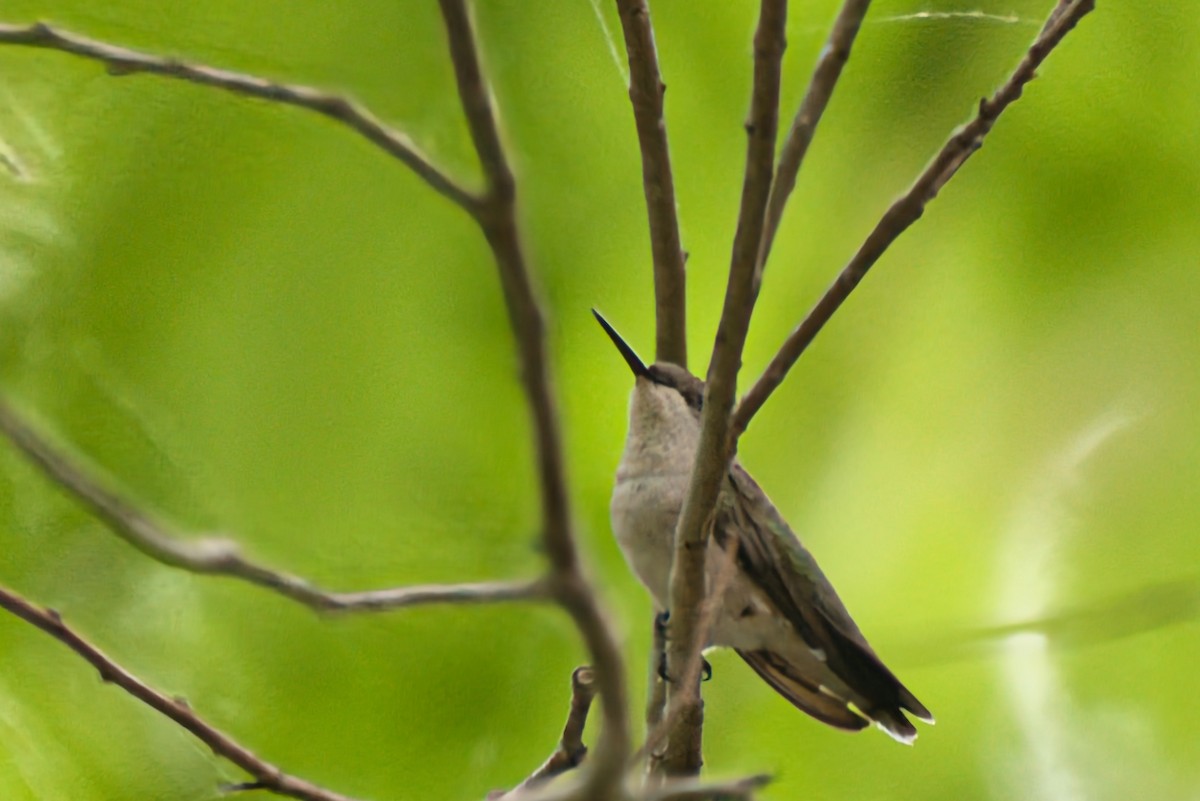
[(260, 325)]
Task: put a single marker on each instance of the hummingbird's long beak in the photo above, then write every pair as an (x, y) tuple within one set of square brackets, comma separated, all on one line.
[(631, 358)]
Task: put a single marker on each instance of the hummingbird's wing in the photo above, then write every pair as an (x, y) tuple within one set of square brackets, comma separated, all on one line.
[(772, 556), (803, 693)]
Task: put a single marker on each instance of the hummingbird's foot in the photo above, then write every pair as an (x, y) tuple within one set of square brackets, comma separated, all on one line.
[(660, 625), (661, 620), (706, 671)]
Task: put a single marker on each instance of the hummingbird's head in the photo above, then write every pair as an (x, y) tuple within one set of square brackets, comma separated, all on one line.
[(666, 398)]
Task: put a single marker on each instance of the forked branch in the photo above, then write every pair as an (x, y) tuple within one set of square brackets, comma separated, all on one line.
[(910, 206), (498, 219), (495, 212), (687, 585), (646, 93), (833, 58)]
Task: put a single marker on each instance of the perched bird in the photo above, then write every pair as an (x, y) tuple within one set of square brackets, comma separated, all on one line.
[(778, 611)]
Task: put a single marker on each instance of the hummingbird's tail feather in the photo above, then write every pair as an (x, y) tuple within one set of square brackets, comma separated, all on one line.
[(909, 701), (827, 706), (855, 662), (872, 685), (804, 695), (895, 725)]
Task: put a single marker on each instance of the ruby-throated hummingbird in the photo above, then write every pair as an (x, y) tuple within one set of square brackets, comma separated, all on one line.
[(778, 611)]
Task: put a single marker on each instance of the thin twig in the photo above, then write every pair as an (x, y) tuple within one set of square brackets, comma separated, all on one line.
[(646, 91), (1059, 8), (498, 219), (267, 776), (686, 789), (122, 61), (833, 58), (571, 751), (692, 789), (222, 556), (683, 752), (909, 208), (482, 592)]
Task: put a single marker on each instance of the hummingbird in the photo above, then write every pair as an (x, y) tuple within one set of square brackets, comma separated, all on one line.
[(778, 611)]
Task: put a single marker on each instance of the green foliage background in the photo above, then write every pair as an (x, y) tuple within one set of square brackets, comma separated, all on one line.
[(260, 325)]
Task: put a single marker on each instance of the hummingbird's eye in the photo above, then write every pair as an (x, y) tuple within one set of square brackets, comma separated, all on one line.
[(660, 377)]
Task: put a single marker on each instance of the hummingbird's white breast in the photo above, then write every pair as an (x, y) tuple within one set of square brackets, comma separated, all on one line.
[(652, 480)]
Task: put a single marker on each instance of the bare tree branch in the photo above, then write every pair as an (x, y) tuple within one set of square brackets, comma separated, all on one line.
[(1059, 8), (683, 751), (482, 592), (909, 208), (658, 729), (569, 586), (571, 751), (833, 58), (271, 778), (646, 91), (222, 556), (829, 67), (267, 776), (684, 789), (495, 211), (122, 61), (693, 789)]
